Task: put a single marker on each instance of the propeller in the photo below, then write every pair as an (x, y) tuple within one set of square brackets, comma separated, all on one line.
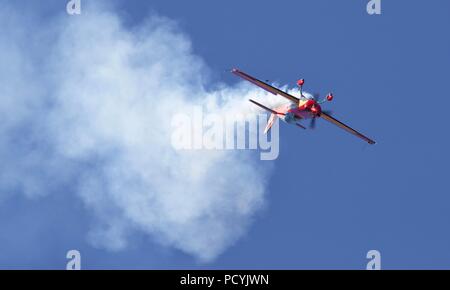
[(312, 124)]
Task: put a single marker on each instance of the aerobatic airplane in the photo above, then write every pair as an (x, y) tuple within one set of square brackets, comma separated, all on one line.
[(305, 107)]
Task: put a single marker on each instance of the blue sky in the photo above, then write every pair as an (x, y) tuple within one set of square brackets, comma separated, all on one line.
[(330, 198)]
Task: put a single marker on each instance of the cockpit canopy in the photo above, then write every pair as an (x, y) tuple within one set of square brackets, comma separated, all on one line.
[(308, 96)]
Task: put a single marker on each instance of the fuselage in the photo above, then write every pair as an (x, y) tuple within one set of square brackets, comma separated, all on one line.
[(306, 109)]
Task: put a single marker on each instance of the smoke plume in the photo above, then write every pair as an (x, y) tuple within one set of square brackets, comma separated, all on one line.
[(86, 106)]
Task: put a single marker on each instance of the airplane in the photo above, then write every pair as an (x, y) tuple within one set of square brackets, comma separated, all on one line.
[(305, 107)]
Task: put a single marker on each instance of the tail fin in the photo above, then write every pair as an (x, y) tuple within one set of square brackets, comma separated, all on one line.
[(272, 119), (273, 116)]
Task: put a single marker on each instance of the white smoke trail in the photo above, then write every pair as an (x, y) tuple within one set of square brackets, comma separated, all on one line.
[(90, 104)]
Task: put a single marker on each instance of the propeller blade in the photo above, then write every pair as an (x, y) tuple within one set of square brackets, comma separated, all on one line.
[(328, 112), (312, 124)]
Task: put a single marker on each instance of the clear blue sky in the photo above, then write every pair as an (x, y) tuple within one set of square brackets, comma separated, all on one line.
[(331, 198)]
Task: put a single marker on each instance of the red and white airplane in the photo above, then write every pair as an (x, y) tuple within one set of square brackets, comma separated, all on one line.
[(305, 107)]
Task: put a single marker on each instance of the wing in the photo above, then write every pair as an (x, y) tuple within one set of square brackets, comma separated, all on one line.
[(346, 128), (265, 86)]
